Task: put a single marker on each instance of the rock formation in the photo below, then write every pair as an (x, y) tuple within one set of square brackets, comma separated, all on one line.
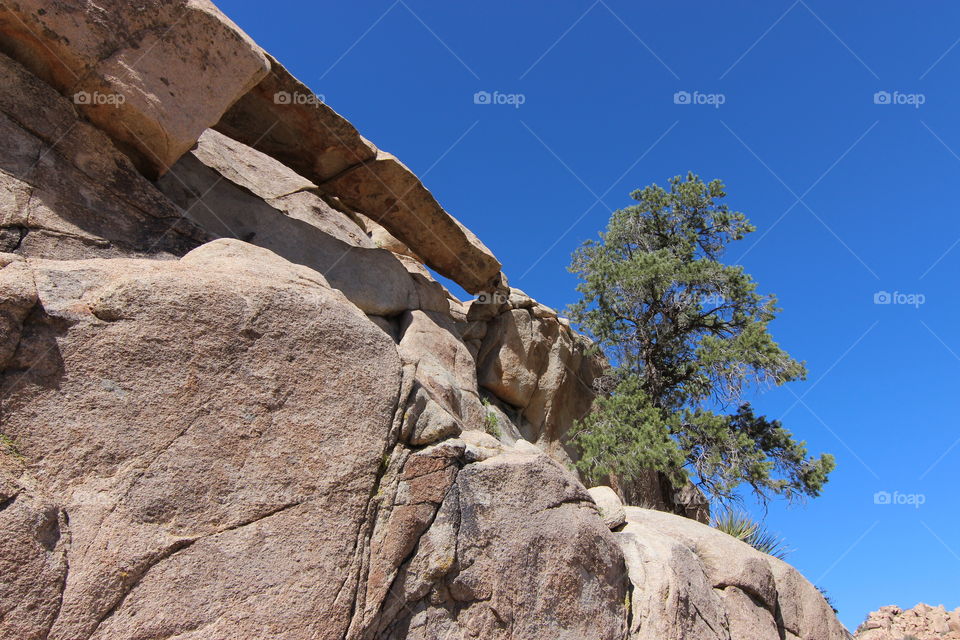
[(235, 402), (923, 622)]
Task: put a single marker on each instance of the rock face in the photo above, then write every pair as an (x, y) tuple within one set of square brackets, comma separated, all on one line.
[(133, 67), (693, 581), (235, 403), (923, 622), (65, 189)]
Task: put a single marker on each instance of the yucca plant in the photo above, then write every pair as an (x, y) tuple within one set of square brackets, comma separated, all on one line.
[(744, 528)]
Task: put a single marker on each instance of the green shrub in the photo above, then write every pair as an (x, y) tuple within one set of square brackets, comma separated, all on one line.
[(744, 528), (491, 421)]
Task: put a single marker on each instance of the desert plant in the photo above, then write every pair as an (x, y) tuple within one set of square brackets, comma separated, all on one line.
[(744, 528), (686, 336), (491, 421)]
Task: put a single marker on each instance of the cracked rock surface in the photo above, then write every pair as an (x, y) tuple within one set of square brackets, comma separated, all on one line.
[(235, 402)]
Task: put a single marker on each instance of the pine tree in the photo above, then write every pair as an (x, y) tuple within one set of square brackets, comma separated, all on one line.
[(686, 336)]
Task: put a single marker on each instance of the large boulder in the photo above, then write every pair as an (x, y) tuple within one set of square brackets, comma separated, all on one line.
[(693, 581), (535, 363), (153, 74), (517, 550), (188, 419), (282, 117), (66, 191), (34, 537), (285, 119)]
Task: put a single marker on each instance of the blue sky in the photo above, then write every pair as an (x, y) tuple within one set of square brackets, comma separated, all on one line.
[(850, 198)]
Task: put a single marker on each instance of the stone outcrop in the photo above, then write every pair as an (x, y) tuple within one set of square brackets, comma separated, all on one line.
[(693, 581), (923, 622), (65, 189), (153, 74), (283, 118), (235, 402)]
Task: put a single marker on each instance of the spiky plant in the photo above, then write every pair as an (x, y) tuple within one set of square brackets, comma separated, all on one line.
[(744, 528)]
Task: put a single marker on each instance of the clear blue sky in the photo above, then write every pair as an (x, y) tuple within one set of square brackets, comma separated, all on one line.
[(876, 185)]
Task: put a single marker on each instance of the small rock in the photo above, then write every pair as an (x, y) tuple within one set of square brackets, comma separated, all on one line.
[(610, 505)]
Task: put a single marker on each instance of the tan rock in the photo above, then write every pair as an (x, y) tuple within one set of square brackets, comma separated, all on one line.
[(922, 622), (740, 592), (611, 508), (308, 231), (514, 355), (152, 75), (445, 368), (18, 295), (34, 536), (189, 419), (285, 119), (66, 191), (386, 240), (390, 194), (516, 551)]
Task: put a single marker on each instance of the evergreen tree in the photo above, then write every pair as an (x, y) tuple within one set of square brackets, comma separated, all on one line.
[(686, 336)]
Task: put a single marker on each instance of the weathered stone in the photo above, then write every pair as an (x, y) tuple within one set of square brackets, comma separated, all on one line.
[(285, 119), (611, 508), (738, 591), (516, 551), (386, 240), (922, 622), (390, 194), (34, 537), (65, 190), (514, 355), (445, 367), (152, 74), (654, 490), (188, 417), (325, 240), (18, 295)]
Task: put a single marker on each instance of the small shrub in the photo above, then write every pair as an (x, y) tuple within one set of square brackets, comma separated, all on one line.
[(491, 421), (744, 528)]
